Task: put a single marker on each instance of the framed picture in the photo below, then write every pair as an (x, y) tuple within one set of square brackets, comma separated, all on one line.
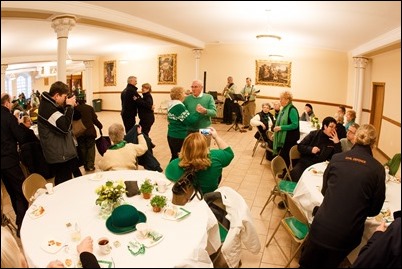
[(109, 71), (167, 69), (273, 73)]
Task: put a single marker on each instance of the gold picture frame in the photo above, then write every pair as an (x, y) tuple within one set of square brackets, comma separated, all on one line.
[(167, 69), (109, 73), (273, 73)]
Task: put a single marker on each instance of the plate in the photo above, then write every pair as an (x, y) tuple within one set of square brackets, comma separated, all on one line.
[(181, 214), (152, 238), (36, 211), (52, 245), (68, 262), (105, 264), (315, 171)]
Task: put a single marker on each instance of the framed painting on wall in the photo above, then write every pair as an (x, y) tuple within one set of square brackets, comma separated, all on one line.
[(167, 69), (273, 73), (109, 71)]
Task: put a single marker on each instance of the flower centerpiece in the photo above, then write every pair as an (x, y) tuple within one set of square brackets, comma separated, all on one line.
[(110, 196), (315, 122)]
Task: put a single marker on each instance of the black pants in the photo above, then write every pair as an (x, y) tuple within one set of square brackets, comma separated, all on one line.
[(65, 171), (128, 121), (227, 111), (175, 145), (316, 256), (86, 151), (13, 178)]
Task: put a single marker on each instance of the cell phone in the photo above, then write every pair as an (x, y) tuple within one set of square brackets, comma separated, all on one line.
[(206, 131)]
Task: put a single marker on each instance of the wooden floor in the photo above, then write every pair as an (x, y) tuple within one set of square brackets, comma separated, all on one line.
[(245, 174)]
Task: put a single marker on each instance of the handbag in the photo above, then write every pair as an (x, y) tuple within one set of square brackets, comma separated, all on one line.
[(102, 143), (186, 188), (78, 128)]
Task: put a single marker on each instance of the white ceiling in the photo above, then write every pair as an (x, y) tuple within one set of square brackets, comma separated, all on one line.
[(27, 34)]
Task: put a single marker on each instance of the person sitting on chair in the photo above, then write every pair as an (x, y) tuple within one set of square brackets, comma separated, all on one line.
[(122, 155), (263, 120)]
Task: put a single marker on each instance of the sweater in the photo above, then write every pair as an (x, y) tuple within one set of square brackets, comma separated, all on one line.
[(180, 119), (207, 101)]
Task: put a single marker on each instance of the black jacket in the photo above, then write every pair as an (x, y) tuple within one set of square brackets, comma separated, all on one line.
[(10, 135), (353, 189), (128, 105)]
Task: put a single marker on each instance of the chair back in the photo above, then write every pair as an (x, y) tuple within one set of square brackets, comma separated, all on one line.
[(295, 210), (278, 164), (294, 156), (31, 184)]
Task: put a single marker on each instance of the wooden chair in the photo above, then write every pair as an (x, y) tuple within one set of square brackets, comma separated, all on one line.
[(296, 226), (282, 186), (31, 184), (294, 156)]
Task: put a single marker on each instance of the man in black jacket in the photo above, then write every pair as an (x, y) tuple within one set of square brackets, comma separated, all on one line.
[(11, 173), (128, 104)]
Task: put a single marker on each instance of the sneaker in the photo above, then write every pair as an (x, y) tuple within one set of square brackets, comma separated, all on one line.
[(282, 205)]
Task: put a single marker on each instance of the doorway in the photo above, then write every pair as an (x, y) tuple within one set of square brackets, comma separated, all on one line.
[(377, 106)]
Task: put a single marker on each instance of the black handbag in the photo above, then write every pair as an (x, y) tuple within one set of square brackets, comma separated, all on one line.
[(102, 143)]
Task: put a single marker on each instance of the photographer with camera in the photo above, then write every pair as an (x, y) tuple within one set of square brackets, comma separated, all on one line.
[(54, 126), (208, 164)]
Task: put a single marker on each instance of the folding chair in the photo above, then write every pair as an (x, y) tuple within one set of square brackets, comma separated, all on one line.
[(163, 107), (296, 226), (31, 184), (259, 140), (294, 156), (281, 186), (269, 146)]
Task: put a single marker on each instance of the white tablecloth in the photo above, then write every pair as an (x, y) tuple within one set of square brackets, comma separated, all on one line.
[(308, 194), (305, 129), (184, 243)]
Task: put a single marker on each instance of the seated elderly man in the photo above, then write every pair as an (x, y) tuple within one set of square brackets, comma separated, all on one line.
[(122, 155), (348, 141), (317, 146)]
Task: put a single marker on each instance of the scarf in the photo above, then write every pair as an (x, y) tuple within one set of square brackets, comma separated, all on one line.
[(118, 145), (279, 137)]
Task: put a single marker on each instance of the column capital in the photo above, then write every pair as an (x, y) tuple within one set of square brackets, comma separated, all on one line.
[(89, 64), (63, 24), (197, 53), (360, 62), (4, 68)]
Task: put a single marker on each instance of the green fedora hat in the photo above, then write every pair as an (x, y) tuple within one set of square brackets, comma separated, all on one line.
[(124, 218)]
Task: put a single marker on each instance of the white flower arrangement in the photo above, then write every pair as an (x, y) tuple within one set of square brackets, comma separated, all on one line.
[(111, 191), (315, 122)]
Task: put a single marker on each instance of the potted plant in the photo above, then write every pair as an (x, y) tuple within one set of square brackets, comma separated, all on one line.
[(146, 189), (158, 202)]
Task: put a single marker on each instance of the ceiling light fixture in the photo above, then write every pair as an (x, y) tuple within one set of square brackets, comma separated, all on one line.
[(270, 36), (271, 40)]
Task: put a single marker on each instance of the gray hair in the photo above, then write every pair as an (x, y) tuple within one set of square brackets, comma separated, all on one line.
[(116, 132)]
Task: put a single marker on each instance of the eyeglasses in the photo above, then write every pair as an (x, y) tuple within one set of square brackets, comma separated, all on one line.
[(194, 86), (349, 131)]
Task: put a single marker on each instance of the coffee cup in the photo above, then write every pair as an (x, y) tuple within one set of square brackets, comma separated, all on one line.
[(161, 185), (104, 245), (49, 188)]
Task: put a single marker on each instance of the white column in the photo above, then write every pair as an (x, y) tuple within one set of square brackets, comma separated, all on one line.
[(360, 66), (62, 25), (3, 77), (88, 85), (197, 54)]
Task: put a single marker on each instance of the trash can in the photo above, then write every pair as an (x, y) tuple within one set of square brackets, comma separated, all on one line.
[(97, 105)]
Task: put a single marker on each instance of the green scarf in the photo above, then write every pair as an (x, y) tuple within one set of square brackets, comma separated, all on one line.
[(279, 137), (118, 145)]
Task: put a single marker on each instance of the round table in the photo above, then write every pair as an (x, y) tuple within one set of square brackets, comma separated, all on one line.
[(186, 242)]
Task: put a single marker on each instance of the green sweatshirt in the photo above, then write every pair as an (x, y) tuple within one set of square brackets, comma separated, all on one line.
[(207, 101), (179, 119)]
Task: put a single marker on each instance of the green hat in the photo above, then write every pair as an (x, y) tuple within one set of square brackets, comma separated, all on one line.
[(124, 219)]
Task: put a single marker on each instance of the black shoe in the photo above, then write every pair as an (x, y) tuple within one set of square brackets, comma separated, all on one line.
[(153, 145), (282, 205), (246, 127), (159, 169)]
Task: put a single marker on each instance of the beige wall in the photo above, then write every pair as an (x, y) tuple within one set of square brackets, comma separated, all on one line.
[(317, 76)]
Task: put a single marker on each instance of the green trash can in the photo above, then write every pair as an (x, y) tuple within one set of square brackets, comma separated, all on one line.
[(97, 105)]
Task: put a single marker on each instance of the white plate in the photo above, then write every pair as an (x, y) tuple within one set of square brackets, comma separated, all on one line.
[(150, 240), (181, 213), (36, 211), (105, 264), (68, 262), (52, 245)]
